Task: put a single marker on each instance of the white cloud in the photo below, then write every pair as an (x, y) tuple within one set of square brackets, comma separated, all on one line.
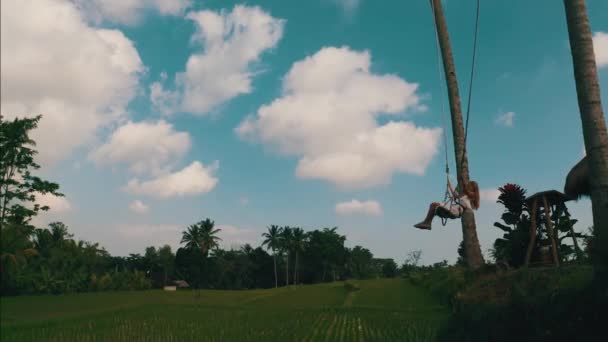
[(233, 42), (371, 208), (52, 63), (490, 195), (135, 237), (232, 236), (505, 119), (56, 204), (145, 146), (327, 115), (600, 46), (128, 11), (140, 230), (58, 207), (193, 179), (244, 200), (138, 207), (348, 6)]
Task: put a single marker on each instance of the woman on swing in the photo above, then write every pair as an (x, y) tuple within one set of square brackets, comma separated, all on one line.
[(469, 199)]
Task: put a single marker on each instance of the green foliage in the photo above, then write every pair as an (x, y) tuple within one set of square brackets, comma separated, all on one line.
[(444, 282), (272, 238), (461, 261), (54, 263), (512, 247), (325, 256), (389, 269), (201, 235), (359, 262), (588, 243), (535, 304), (410, 264), (18, 185), (526, 304)]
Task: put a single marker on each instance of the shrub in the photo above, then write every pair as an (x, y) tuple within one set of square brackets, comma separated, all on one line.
[(528, 304)]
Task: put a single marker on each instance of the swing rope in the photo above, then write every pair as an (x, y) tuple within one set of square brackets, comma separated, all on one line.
[(448, 196), (441, 86), (466, 129)]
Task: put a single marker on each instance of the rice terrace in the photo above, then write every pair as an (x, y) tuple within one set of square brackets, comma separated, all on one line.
[(383, 309), (327, 170)]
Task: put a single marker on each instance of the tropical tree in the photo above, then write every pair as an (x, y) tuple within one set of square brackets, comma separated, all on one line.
[(18, 185), (298, 244), (389, 269), (59, 232), (325, 254), (15, 250), (286, 243), (593, 124), (474, 258), (272, 240), (360, 262), (202, 236), (412, 259)]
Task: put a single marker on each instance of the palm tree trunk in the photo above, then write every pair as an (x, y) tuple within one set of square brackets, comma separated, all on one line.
[(469, 229), (276, 281), (287, 269), (295, 271), (594, 127)]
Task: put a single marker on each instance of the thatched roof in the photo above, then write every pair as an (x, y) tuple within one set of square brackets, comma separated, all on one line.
[(181, 283), (553, 197), (577, 181)]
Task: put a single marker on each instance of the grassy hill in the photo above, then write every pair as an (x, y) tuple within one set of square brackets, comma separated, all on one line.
[(383, 309)]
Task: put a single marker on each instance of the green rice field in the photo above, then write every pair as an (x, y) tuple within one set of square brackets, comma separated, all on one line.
[(382, 310)]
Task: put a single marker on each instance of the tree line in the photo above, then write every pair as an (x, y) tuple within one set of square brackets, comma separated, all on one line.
[(49, 260)]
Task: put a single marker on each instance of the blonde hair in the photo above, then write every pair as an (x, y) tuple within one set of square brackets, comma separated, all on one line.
[(472, 190)]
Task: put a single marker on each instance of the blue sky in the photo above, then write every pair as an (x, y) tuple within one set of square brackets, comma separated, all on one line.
[(317, 113)]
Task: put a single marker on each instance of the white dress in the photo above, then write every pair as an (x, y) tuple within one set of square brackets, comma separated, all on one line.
[(456, 209)]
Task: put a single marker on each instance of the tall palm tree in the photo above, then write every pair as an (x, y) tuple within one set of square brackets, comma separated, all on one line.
[(594, 125), (272, 241), (201, 235), (286, 246), (472, 248), (59, 232), (298, 243)]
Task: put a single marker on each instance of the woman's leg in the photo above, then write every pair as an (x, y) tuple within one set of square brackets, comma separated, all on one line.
[(426, 224)]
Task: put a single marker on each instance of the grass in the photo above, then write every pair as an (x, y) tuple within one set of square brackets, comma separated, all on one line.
[(383, 309)]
